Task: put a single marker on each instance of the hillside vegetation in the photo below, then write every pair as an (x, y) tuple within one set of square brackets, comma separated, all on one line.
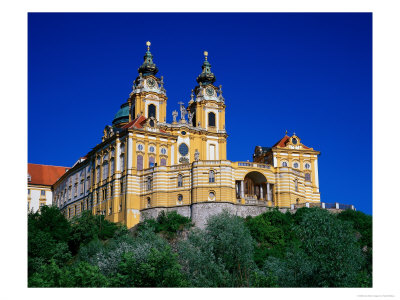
[(310, 248)]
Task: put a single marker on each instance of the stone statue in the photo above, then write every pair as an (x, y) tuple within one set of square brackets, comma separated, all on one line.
[(198, 124), (183, 110), (190, 118), (196, 155), (174, 115), (191, 96)]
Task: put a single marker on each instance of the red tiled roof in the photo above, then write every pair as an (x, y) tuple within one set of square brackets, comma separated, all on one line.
[(282, 142), (138, 123), (45, 175)]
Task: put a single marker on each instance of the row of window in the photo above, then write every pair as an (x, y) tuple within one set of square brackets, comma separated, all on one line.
[(42, 192), (152, 149), (296, 165), (211, 197)]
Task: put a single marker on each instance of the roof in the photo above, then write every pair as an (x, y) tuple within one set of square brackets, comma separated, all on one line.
[(282, 142), (137, 123), (44, 174)]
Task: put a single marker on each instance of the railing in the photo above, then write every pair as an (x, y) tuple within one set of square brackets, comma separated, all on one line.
[(345, 206), (323, 205), (253, 165), (330, 205), (256, 202)]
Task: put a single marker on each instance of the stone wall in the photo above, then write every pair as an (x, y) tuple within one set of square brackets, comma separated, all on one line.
[(200, 212)]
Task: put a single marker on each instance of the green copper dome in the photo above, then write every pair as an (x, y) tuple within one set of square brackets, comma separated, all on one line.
[(122, 115)]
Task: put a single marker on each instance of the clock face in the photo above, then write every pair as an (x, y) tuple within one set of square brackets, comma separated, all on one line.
[(151, 82), (210, 91), (294, 141), (183, 149)]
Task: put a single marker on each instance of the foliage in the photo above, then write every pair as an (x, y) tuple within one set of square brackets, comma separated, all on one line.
[(311, 248), (328, 255), (168, 223), (80, 275)]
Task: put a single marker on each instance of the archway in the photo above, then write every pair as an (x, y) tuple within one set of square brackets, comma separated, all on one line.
[(255, 186)]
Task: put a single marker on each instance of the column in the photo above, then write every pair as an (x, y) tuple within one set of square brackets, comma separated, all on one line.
[(261, 192), (268, 191), (241, 189)]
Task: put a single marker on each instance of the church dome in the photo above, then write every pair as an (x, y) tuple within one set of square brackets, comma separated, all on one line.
[(122, 115)]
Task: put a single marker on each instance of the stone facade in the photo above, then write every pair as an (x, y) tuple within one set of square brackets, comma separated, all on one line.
[(200, 212)]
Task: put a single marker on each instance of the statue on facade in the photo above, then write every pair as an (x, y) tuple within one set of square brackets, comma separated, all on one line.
[(196, 155), (174, 115), (183, 110), (190, 117)]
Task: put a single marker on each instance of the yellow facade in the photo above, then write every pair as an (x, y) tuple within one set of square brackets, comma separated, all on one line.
[(144, 162)]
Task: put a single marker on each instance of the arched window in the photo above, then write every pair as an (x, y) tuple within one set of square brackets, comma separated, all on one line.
[(307, 177), (112, 166), (284, 164), (163, 162), (180, 198), (151, 161), (152, 111), (296, 185), (122, 162), (105, 170), (149, 183), (211, 119), (180, 180), (139, 162), (211, 176), (307, 166), (296, 165), (98, 174)]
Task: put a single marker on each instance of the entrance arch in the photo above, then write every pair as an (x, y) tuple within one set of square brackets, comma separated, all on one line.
[(255, 186)]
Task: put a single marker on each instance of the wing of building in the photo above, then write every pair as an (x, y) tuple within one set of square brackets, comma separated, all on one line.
[(40, 181), (144, 164)]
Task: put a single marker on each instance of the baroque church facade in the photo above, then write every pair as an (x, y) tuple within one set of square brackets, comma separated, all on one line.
[(144, 164)]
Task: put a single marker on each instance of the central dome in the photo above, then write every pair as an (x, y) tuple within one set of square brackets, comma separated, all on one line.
[(122, 115)]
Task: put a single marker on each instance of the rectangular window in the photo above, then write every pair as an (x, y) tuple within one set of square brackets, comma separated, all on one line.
[(212, 152), (43, 193)]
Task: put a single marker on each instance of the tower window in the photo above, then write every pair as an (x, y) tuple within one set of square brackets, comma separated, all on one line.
[(140, 162), (307, 177), (163, 162), (152, 111), (307, 166), (284, 164), (295, 165), (211, 176), (151, 161), (211, 119)]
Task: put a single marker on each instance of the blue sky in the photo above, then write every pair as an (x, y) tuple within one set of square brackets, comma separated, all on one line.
[(305, 73)]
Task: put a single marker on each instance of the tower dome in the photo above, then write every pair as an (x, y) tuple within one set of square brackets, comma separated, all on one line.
[(148, 67), (206, 76), (122, 115)]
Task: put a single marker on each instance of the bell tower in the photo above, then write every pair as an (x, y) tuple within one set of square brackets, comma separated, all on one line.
[(207, 109), (148, 97)]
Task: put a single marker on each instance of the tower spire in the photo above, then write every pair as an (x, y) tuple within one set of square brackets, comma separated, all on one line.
[(148, 67), (206, 76)]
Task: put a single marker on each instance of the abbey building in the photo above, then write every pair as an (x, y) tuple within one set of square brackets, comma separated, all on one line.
[(145, 164)]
